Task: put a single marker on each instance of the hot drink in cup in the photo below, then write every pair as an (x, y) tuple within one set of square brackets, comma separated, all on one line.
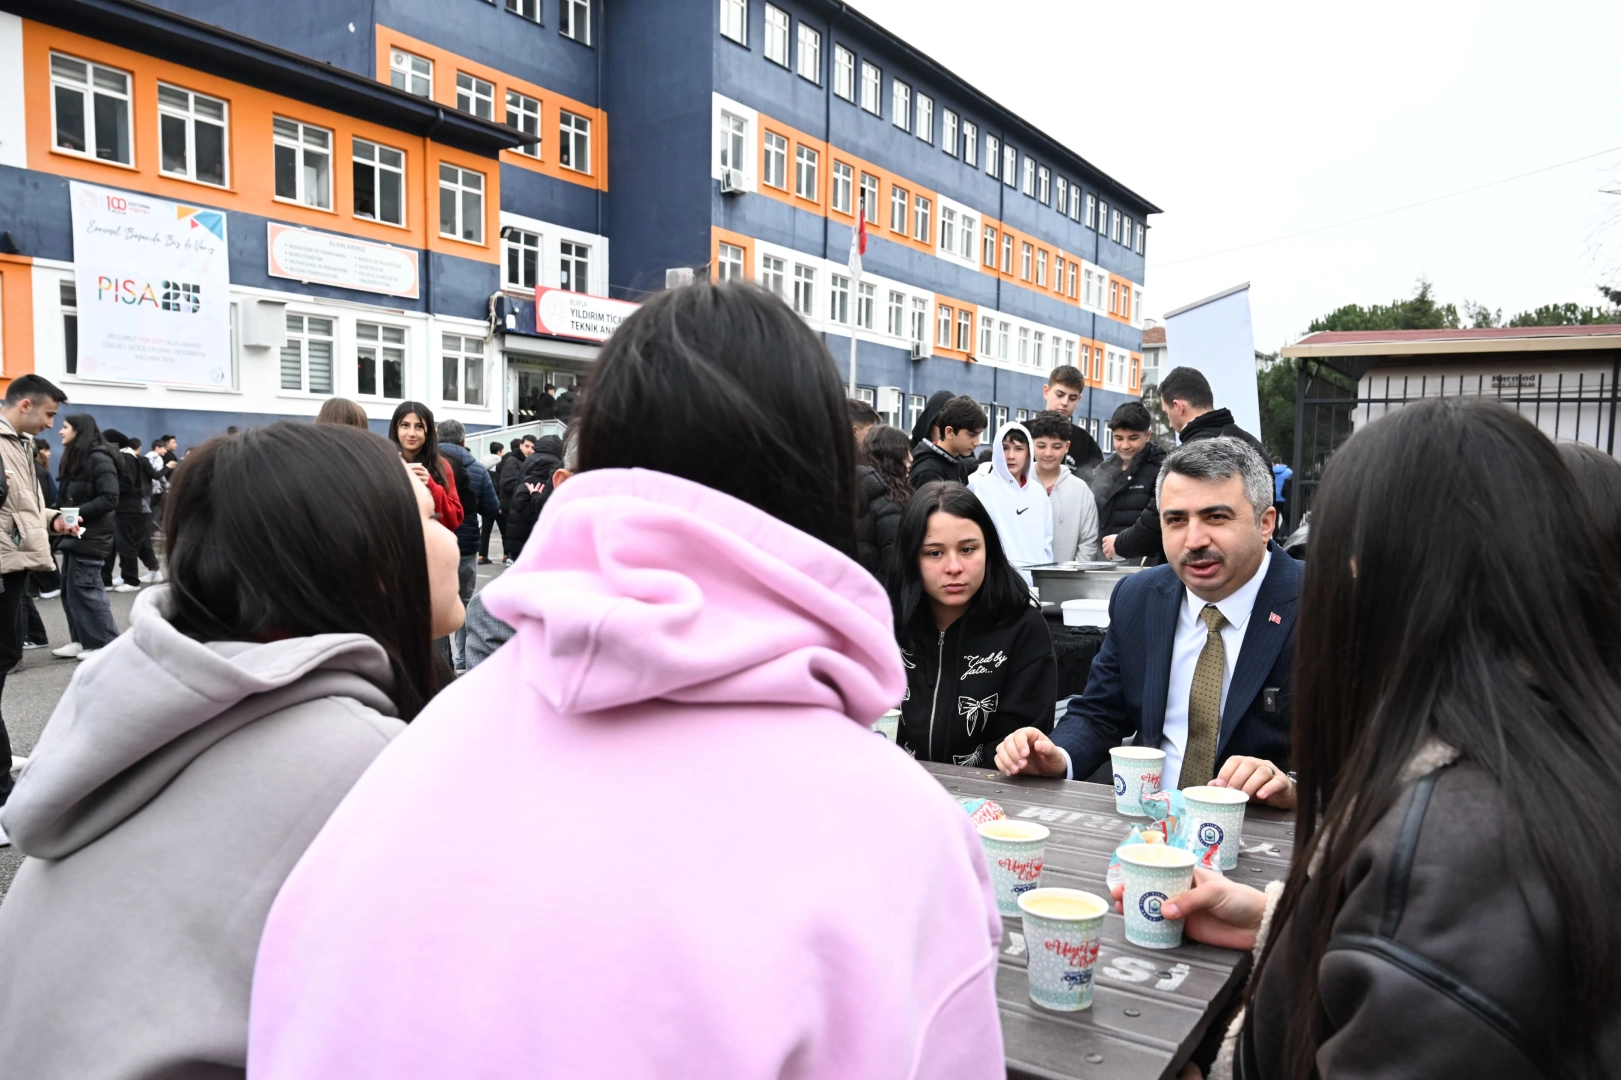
[(1137, 770), (1216, 816), (1061, 932), (888, 725), (1154, 873), (1014, 851), (70, 517)]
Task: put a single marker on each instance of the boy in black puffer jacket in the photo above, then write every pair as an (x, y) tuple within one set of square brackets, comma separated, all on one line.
[(1124, 483)]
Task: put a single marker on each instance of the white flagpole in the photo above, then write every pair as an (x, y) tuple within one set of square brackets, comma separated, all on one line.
[(856, 238)]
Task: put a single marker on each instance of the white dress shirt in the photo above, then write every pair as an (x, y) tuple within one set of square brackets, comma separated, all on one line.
[(1188, 643)]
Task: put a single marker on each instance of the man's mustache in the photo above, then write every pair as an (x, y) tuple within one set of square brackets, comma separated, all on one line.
[(1202, 555)]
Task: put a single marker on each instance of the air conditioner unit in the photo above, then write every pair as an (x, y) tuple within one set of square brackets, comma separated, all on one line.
[(263, 324), (731, 182), (918, 352), (888, 400), (677, 276)]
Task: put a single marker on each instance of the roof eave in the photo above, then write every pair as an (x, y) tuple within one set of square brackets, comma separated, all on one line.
[(1455, 346)]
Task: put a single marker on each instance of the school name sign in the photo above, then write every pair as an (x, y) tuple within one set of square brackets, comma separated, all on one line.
[(153, 280), (575, 315)]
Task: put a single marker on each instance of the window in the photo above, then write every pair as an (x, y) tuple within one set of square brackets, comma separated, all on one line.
[(1086, 297), (965, 330), (1137, 303), (806, 161), (1115, 367), (1103, 217), (1125, 230), (574, 267), (306, 359), (463, 363), (1139, 239), (574, 21), (965, 244), (872, 81), (993, 154), (1075, 202), (948, 229), (69, 297), (772, 275), (948, 132), (1003, 332), (523, 114), (776, 35), (897, 314), (1114, 297), (380, 360), (731, 262), (1007, 253), (1125, 302), (1024, 344), (920, 320), (899, 200), (1114, 226), (925, 118), (843, 186), (1069, 352), (1038, 350), (191, 135), (734, 20), (1024, 264), (844, 73), (92, 109), (987, 335), (776, 160), (1043, 185), (805, 290), (574, 146), (810, 54), (734, 133), (866, 300), (475, 96), (869, 194), (411, 73), (461, 203), (970, 144), (528, 9), (1041, 268), (1063, 195), (1091, 211), (839, 310), (1029, 177), (1010, 166), (990, 246), (901, 105), (379, 182), (942, 327), (914, 405), (921, 229), (1058, 273), (303, 163), (1072, 277), (522, 258)]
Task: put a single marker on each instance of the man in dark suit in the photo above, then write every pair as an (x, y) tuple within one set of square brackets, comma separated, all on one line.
[(1197, 657)]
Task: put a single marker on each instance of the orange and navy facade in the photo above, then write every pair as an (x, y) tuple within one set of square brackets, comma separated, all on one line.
[(626, 100)]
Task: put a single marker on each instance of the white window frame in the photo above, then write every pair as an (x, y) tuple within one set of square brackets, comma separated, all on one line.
[(731, 263), (948, 228), (1041, 268), (1044, 181), (459, 182), (838, 310), (970, 144), (870, 195), (1091, 210), (574, 20), (774, 275), (300, 339), (1136, 306), (920, 322), (462, 355), (1125, 230), (1139, 248), (900, 209), (778, 25), (1024, 346), (924, 128), (475, 96), (807, 172), (866, 301), (804, 301), (1061, 194), (520, 117), (575, 255), (1072, 269), (1010, 166), (844, 73), (304, 148), (385, 338), (900, 104), (967, 235), (732, 135), (965, 330), (405, 73), (948, 131), (808, 61), (1103, 218), (987, 336), (993, 155), (1074, 202), (1004, 338), (1114, 226), (1027, 256), (1029, 177), (844, 181), (521, 246), (190, 116), (945, 321), (89, 90), (922, 224), (776, 161), (990, 246), (1007, 252), (897, 314), (574, 133), (872, 88), (1038, 349), (734, 21), (525, 9), (378, 167)]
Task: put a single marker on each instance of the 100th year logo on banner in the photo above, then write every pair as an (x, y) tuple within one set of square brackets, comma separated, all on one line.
[(153, 281)]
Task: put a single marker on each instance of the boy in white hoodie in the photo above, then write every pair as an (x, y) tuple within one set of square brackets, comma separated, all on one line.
[(1074, 508), (1017, 504)]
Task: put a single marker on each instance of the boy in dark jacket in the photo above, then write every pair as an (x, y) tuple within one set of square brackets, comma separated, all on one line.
[(952, 435), (1123, 484), (133, 528)]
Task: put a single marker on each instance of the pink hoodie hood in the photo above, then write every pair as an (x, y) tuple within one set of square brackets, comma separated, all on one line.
[(640, 586)]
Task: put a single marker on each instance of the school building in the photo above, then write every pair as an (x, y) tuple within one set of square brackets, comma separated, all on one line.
[(415, 200)]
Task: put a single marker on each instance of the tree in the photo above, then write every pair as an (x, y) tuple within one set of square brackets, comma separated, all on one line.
[(1162, 433), (1565, 315), (1275, 385), (1421, 312)]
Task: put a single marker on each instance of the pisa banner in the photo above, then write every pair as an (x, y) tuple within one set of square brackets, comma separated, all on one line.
[(154, 284), (1214, 335)]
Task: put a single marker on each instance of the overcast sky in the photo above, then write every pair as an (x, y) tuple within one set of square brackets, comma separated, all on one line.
[(1249, 121)]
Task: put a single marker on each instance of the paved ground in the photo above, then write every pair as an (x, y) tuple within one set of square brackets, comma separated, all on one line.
[(34, 686)]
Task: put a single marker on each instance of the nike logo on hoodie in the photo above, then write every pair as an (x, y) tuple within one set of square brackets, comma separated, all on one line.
[(1021, 509)]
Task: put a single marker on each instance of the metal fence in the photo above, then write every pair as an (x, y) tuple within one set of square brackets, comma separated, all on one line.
[(1335, 397)]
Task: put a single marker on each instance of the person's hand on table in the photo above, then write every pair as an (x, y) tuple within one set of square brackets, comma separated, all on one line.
[(1259, 779), (1108, 546), (1218, 911), (1030, 752)]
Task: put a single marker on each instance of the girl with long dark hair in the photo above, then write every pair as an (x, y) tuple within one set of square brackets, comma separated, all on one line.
[(884, 460), (690, 602), (183, 773), (978, 655), (1450, 910), (88, 479), (412, 430)]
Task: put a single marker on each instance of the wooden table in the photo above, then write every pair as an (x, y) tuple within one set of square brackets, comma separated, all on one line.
[(1150, 1008)]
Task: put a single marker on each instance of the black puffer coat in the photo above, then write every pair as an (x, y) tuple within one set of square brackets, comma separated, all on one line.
[(94, 490), (1143, 538), (877, 520), (534, 487), (1122, 494)]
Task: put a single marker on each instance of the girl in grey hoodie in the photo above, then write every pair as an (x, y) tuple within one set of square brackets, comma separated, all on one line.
[(190, 764)]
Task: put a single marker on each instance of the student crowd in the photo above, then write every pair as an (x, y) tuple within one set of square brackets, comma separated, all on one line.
[(649, 834)]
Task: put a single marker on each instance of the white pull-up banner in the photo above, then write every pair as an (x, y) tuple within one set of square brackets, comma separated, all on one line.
[(1214, 335)]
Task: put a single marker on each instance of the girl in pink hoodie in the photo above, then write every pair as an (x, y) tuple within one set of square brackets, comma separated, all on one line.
[(652, 836)]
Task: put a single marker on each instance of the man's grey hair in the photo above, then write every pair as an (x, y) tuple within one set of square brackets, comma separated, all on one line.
[(571, 448), (452, 431), (1218, 459)]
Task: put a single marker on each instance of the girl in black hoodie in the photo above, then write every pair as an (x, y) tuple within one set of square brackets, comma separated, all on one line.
[(979, 659)]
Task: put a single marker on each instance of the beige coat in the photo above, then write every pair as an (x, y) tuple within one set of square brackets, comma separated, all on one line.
[(24, 518)]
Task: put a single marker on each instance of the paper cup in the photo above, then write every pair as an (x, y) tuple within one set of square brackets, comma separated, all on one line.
[(1154, 873), (1216, 816), (889, 724), (70, 516), (1014, 851), (1061, 932), (1137, 771)]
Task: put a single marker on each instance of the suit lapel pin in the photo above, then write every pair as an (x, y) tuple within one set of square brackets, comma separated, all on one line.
[(1276, 618)]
